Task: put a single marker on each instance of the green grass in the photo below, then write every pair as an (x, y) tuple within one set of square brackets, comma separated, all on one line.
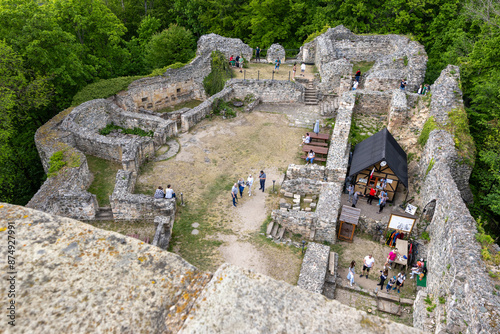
[(425, 236), (188, 104), (364, 66), (196, 249), (103, 89), (104, 172), (429, 125)]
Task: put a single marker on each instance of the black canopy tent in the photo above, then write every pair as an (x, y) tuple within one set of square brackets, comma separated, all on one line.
[(376, 159)]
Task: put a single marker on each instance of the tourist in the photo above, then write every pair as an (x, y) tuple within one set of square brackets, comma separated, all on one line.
[(390, 284), (400, 281), (355, 85), (358, 75), (234, 193), (277, 64), (351, 273), (351, 192), (306, 139), (303, 68), (420, 90), (418, 269), (169, 193), (382, 194), (242, 60), (371, 195), (310, 157), (403, 84), (294, 69), (392, 257), (383, 277), (262, 178), (383, 200), (355, 198), (231, 60), (241, 186), (237, 63), (368, 263), (257, 54), (249, 184), (159, 193)]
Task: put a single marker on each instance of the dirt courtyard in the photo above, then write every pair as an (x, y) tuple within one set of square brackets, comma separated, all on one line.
[(264, 71), (208, 230)]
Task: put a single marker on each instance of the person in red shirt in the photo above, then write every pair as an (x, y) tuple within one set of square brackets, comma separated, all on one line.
[(371, 195)]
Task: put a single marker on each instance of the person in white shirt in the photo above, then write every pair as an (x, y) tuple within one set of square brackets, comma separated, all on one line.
[(302, 68), (169, 193), (368, 263), (355, 85), (249, 184), (306, 139)]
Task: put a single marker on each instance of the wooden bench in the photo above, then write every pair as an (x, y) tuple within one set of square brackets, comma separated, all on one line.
[(318, 143), (316, 149), (315, 158), (320, 136)]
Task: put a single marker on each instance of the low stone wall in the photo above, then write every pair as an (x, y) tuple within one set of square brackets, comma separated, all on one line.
[(332, 73), (197, 114), (302, 186), (163, 232), (327, 210), (314, 267), (312, 172), (228, 46), (128, 206), (398, 112), (297, 222), (373, 103), (269, 91), (74, 204), (274, 52)]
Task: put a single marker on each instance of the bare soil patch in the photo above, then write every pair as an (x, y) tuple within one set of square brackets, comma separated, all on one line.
[(264, 71)]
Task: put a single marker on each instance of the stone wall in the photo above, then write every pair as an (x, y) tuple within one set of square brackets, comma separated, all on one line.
[(275, 51), (456, 271), (332, 73), (373, 103), (163, 234), (269, 91), (228, 46), (173, 87), (327, 211), (128, 206), (297, 222), (398, 113), (312, 172), (314, 267), (302, 186)]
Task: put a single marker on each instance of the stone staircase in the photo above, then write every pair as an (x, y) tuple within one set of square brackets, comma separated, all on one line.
[(275, 230), (311, 94), (104, 213)]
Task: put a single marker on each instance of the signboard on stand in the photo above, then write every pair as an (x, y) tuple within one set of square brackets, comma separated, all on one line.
[(401, 223)]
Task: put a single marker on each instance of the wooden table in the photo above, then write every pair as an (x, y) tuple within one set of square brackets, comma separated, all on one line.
[(402, 246), (316, 149), (320, 136)]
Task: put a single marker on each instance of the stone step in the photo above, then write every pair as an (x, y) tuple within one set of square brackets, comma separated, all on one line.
[(274, 232), (281, 233), (311, 103), (312, 234), (104, 213), (269, 228)]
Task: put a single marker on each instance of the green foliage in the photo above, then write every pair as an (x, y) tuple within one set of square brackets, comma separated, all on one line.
[(56, 163), (428, 300), (135, 131), (363, 66), (103, 89), (104, 172), (221, 107), (425, 236), (429, 126), (161, 71), (431, 164), (442, 300), (459, 127), (316, 34), (405, 60), (221, 72), (173, 45)]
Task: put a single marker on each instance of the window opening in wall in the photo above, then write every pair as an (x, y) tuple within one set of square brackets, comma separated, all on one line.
[(178, 90), (144, 99)]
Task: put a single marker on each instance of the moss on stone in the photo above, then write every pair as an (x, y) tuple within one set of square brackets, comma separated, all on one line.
[(429, 125)]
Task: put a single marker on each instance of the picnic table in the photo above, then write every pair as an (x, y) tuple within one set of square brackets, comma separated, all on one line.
[(320, 137), (316, 149), (402, 246)]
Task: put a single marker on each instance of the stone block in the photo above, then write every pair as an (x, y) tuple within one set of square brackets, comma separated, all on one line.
[(308, 200), (307, 209), (287, 194), (296, 196), (312, 205)]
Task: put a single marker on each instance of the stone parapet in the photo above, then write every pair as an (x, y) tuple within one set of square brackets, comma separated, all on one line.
[(197, 114), (327, 211), (269, 91), (314, 267), (312, 172), (302, 186)]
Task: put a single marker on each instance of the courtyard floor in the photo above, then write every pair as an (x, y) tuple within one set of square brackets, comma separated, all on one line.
[(264, 71)]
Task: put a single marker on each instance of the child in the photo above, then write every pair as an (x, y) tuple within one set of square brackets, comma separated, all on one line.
[(350, 274), (391, 283), (383, 277)]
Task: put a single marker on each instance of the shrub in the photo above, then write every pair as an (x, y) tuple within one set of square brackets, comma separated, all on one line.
[(425, 236), (102, 89), (429, 125), (405, 60), (316, 34), (221, 72), (222, 107), (459, 128), (135, 131), (172, 45), (431, 164), (56, 163), (161, 71)]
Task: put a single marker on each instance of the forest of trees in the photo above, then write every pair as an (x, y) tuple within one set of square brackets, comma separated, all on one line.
[(50, 50)]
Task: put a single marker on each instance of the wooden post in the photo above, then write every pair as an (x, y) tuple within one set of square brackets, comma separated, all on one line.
[(258, 75), (244, 74), (273, 76), (288, 75)]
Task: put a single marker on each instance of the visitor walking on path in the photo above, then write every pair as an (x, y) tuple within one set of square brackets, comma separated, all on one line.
[(351, 273), (257, 54), (242, 60), (234, 193), (358, 75), (371, 196), (159, 193), (355, 85), (351, 192), (169, 193), (303, 69), (383, 200), (241, 186), (383, 277), (368, 263), (355, 198), (249, 184), (262, 178), (403, 84), (277, 64), (294, 69), (400, 281)]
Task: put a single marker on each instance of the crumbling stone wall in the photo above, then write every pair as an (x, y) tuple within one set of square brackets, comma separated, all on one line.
[(456, 270), (228, 46), (269, 91), (333, 73), (314, 266), (128, 206), (297, 222), (197, 114), (312, 172), (302, 186), (373, 103), (275, 51), (398, 112)]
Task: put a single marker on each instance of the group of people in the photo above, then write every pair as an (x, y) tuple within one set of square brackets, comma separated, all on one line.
[(240, 185), (237, 62), (311, 154), (167, 193), (376, 191), (356, 79), (396, 282), (423, 89)]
